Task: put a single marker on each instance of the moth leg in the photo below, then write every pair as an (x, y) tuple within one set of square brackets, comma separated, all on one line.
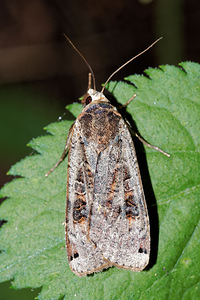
[(127, 103), (139, 137), (64, 152), (152, 146), (147, 144)]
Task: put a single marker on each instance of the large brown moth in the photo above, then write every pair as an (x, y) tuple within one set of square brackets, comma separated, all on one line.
[(107, 222)]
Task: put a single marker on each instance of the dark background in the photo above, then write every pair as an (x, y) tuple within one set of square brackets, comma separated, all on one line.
[(40, 73)]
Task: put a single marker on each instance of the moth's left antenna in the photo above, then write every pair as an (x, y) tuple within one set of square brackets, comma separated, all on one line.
[(81, 55)]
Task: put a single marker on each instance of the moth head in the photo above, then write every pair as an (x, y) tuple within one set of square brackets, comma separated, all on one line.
[(91, 96)]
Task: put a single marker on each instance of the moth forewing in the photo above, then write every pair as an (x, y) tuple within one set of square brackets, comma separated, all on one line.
[(106, 217), (83, 256)]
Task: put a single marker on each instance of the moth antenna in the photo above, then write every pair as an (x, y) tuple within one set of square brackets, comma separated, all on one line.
[(126, 63), (89, 81), (81, 55)]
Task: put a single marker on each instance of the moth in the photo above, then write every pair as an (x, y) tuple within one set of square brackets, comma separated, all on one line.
[(107, 222)]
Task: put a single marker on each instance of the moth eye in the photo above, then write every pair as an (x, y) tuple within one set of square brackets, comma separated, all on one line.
[(88, 100)]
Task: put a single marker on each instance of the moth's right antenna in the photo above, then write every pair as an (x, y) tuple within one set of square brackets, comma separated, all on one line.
[(81, 55), (126, 63)]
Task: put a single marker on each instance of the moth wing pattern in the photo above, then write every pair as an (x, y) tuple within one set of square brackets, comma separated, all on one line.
[(106, 217), (83, 256), (121, 211)]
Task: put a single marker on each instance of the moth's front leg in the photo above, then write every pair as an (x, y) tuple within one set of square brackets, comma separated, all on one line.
[(68, 140)]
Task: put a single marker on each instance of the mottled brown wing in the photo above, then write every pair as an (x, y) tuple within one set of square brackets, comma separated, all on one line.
[(83, 255), (106, 218), (119, 224)]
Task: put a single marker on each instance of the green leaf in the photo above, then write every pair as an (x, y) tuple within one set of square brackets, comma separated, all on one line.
[(166, 112)]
